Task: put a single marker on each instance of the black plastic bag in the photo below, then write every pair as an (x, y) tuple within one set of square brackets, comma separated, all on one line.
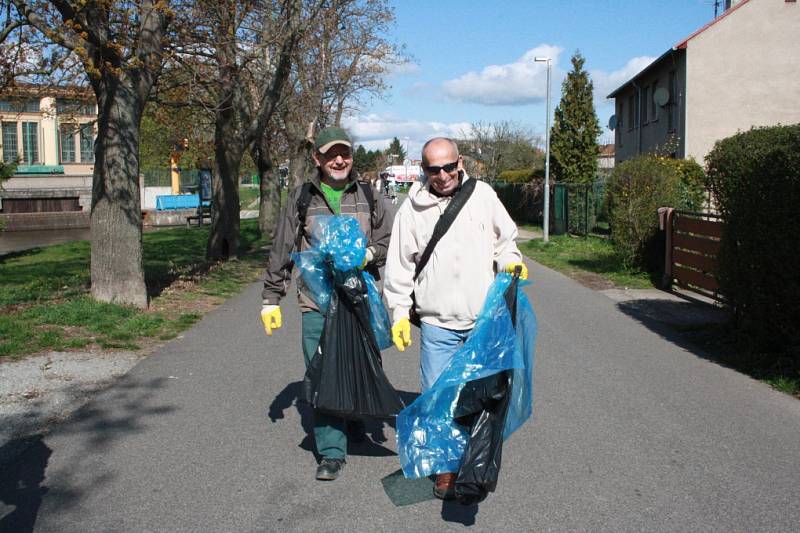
[(345, 377), (482, 406)]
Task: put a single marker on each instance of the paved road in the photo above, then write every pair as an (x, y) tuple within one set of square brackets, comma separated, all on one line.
[(631, 432)]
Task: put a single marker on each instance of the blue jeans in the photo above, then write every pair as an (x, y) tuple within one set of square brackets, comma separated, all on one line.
[(436, 350)]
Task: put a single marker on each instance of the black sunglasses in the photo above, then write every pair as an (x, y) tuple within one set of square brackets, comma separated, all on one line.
[(450, 167)]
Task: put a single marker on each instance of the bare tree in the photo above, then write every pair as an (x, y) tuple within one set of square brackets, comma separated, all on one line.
[(499, 146), (341, 62), (236, 60), (119, 46)]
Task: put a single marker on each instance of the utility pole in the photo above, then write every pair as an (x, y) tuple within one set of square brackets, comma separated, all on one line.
[(546, 215)]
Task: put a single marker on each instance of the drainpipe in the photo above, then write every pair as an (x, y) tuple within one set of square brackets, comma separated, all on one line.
[(638, 104)]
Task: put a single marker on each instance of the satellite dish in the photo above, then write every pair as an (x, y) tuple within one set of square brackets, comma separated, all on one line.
[(661, 96), (612, 122)]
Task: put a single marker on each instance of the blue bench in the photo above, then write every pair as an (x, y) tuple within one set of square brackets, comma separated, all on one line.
[(166, 202)]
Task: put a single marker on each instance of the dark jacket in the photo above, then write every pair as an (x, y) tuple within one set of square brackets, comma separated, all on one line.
[(376, 226)]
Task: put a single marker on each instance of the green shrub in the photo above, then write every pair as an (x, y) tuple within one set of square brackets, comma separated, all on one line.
[(516, 176), (635, 191), (692, 186), (755, 180)]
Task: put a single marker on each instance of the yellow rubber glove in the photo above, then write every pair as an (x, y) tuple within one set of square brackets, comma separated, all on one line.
[(401, 334), (271, 317), (522, 275), (367, 259)]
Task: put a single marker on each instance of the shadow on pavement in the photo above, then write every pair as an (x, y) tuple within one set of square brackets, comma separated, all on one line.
[(455, 512), (374, 429), (21, 478), (96, 427), (694, 326)]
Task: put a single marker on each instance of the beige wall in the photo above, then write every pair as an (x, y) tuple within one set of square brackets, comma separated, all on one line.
[(48, 143), (741, 72)]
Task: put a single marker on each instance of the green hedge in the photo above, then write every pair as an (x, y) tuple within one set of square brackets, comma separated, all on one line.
[(755, 179), (636, 189), (516, 176), (523, 201)]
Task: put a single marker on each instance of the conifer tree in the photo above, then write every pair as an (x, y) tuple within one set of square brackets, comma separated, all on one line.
[(573, 138), (361, 159), (396, 148)]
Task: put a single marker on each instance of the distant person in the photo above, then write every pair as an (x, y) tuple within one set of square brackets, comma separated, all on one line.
[(333, 190), (393, 192), (451, 288)]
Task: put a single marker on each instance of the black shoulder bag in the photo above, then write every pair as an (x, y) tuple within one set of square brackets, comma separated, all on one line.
[(442, 225)]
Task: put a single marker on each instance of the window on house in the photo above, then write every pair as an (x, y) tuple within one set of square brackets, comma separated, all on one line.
[(10, 146), (30, 143), (631, 112), (645, 107), (672, 111), (19, 106), (653, 105), (74, 107), (87, 143), (67, 142)]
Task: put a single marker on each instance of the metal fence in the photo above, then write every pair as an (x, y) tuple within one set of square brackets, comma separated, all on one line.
[(161, 177), (579, 208)]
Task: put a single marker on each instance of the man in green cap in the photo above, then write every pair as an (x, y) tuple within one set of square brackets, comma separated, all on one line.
[(333, 190)]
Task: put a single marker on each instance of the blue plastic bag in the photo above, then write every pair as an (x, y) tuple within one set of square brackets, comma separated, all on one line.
[(429, 441), (337, 242)]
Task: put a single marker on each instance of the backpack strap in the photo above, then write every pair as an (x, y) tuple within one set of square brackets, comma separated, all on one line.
[(367, 188), (445, 221), (303, 201)]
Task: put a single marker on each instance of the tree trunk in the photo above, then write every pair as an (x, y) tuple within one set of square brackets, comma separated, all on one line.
[(223, 241), (117, 273), (229, 146), (269, 189), (300, 163)]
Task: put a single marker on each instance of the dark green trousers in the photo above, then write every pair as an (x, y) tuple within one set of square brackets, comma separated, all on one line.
[(329, 431)]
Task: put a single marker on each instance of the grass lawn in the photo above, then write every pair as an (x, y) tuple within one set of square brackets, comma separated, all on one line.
[(45, 304), (574, 256), (248, 195)]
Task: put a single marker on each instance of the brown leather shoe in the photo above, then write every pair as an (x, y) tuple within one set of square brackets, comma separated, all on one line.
[(445, 486)]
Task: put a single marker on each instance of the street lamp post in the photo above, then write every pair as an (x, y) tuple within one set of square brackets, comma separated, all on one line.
[(406, 139), (546, 222)]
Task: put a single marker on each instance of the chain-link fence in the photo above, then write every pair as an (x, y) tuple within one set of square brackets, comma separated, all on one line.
[(579, 208), (162, 177)]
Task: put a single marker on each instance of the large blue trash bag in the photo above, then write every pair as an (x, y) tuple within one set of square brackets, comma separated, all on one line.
[(337, 242), (429, 440)]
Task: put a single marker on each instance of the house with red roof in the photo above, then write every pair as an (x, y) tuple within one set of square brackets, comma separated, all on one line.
[(739, 71)]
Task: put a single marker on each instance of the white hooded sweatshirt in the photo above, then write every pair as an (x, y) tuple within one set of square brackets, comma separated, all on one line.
[(452, 287)]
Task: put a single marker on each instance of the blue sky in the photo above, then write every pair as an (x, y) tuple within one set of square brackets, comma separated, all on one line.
[(472, 60)]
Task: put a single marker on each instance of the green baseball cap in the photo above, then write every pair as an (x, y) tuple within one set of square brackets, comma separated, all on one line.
[(331, 136)]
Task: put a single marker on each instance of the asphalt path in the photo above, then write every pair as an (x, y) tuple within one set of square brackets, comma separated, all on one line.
[(631, 432)]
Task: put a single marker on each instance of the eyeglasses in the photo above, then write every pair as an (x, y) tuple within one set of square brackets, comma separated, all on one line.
[(434, 171)]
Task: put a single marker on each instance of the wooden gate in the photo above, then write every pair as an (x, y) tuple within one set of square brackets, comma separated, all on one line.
[(693, 243)]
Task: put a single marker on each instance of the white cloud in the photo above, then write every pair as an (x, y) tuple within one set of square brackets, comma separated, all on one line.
[(406, 68), (375, 132), (519, 83), (605, 82)]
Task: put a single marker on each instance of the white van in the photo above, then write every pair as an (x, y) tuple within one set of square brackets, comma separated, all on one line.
[(402, 173)]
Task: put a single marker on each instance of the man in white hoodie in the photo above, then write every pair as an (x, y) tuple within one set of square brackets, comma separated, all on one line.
[(451, 288)]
